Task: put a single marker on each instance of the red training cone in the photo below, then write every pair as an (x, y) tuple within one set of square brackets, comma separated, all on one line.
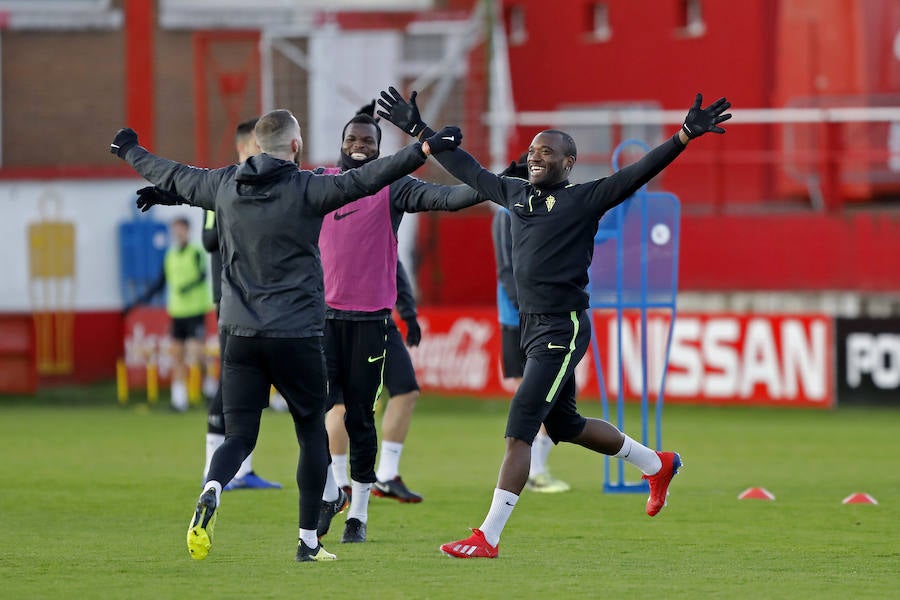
[(859, 498), (756, 493)]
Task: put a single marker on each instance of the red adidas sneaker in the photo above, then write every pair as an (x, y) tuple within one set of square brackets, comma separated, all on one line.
[(474, 546), (659, 483)]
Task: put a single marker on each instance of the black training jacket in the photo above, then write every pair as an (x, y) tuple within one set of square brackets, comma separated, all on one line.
[(268, 215), (502, 238), (406, 299), (553, 228)]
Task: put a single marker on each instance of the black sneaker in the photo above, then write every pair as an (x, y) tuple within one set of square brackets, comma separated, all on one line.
[(307, 554), (328, 510), (396, 489), (354, 532)]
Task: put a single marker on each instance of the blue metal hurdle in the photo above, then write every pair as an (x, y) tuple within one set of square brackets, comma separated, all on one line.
[(635, 268)]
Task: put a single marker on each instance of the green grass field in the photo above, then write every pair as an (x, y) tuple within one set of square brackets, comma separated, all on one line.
[(95, 502)]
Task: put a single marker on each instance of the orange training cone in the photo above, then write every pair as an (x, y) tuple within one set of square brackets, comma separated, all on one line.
[(756, 493), (859, 498)]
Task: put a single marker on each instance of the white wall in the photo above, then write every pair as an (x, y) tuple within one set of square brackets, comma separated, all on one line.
[(95, 207), (349, 69)]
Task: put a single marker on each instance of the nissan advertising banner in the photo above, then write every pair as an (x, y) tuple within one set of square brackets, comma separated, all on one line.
[(717, 359), (725, 359), (868, 361)]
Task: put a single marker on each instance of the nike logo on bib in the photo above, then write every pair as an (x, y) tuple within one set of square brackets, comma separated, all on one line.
[(339, 216), (372, 359), (552, 346)]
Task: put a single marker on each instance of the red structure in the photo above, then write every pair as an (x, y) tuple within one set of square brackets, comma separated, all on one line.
[(751, 218), (766, 206)]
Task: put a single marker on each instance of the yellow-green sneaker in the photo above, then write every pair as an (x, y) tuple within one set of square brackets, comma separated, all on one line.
[(307, 554), (547, 484), (200, 532)]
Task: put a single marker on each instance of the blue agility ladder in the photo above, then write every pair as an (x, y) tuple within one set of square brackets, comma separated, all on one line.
[(635, 268)]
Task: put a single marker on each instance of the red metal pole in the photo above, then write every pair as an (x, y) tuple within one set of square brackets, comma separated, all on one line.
[(201, 104), (140, 25), (831, 167)]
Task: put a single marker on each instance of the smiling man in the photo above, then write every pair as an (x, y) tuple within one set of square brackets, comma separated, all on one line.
[(359, 258), (553, 224)]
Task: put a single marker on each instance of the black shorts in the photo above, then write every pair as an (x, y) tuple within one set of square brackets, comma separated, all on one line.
[(513, 360), (553, 344), (187, 328), (399, 374)]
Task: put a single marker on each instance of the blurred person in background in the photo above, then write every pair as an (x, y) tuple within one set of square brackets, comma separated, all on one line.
[(188, 299)]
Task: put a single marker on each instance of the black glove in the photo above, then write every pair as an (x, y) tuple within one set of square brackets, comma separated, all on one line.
[(515, 169), (448, 138), (368, 109), (703, 120), (125, 140), (149, 196), (413, 332), (401, 113)]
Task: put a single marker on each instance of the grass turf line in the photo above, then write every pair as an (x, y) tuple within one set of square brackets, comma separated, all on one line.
[(95, 501)]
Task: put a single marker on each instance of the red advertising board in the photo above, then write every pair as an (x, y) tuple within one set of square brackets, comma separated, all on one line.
[(148, 336), (719, 358)]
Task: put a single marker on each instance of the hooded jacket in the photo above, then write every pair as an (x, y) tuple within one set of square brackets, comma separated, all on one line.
[(269, 214)]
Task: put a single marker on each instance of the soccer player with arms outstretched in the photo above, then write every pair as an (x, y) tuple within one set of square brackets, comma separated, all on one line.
[(553, 228), (273, 306), (359, 258)]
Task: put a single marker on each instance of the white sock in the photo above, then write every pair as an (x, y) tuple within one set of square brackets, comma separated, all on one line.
[(359, 505), (309, 538), (179, 396), (213, 441), (216, 486), (331, 489), (246, 467), (389, 462), (210, 386), (640, 456), (540, 450), (339, 468), (277, 402), (501, 508)]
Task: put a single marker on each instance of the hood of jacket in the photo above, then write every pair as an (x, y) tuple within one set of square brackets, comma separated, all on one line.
[(263, 168)]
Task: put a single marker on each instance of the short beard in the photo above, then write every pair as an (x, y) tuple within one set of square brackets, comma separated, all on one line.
[(347, 162)]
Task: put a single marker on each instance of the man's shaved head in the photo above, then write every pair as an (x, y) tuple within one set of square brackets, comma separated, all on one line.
[(568, 143), (276, 130)]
